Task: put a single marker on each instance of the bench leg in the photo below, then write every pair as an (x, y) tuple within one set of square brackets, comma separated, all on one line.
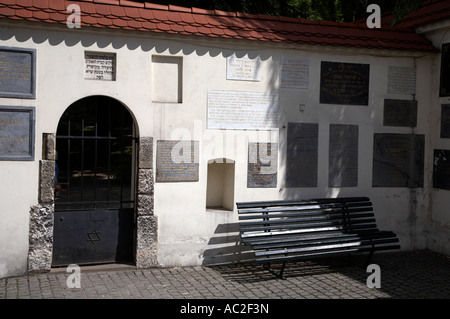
[(280, 274), (369, 258)]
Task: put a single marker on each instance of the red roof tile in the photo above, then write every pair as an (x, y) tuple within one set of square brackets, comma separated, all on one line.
[(431, 11), (149, 17)]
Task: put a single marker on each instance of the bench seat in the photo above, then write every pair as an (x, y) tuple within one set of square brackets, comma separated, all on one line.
[(283, 231)]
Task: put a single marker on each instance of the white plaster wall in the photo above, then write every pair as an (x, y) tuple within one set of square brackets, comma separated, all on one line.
[(438, 218), (188, 234)]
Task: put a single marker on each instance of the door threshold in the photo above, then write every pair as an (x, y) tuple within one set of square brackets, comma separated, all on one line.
[(96, 268)]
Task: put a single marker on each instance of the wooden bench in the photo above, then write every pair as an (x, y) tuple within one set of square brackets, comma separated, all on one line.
[(284, 231)]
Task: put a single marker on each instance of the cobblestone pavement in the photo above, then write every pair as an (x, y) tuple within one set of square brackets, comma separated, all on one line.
[(420, 274)]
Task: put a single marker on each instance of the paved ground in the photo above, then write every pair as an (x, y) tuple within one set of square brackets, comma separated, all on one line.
[(420, 274)]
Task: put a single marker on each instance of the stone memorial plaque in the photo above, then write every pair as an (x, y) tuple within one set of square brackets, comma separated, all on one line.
[(177, 161), (441, 169), (445, 121), (294, 73), (302, 154), (400, 113), (242, 110), (344, 83), (100, 66), (401, 80), (343, 156), (398, 160), (262, 165), (244, 69), (444, 89), (17, 73), (17, 133)]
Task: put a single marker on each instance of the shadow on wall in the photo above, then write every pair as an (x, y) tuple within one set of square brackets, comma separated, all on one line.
[(225, 247)]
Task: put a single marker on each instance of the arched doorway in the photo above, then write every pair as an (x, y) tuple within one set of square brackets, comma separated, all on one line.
[(95, 184)]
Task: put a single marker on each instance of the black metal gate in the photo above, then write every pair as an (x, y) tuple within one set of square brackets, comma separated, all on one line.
[(94, 193)]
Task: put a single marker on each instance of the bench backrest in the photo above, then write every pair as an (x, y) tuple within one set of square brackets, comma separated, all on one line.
[(272, 218)]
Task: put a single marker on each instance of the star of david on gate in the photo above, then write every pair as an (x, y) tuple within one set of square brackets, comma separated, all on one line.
[(93, 237)]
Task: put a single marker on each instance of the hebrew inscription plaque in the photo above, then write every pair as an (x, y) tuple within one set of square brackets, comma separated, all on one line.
[(17, 72), (302, 154), (445, 121), (398, 160), (445, 70), (344, 83), (401, 80), (244, 68), (100, 66), (177, 161), (343, 156), (400, 113), (294, 73), (441, 169), (242, 110), (17, 133), (262, 165)]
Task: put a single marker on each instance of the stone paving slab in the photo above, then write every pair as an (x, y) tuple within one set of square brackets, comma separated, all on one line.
[(404, 275)]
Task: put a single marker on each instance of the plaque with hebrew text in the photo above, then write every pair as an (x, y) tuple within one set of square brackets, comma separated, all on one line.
[(302, 154), (344, 83), (398, 160), (262, 165), (17, 133), (343, 156), (17, 73), (177, 161)]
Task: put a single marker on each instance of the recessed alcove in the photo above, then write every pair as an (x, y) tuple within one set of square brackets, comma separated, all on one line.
[(220, 185)]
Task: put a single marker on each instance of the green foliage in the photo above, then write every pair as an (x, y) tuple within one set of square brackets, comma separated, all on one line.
[(331, 10)]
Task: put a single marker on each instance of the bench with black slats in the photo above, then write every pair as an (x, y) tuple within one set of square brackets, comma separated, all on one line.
[(284, 231)]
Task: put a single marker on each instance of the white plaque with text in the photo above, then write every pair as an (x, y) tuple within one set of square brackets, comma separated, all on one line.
[(100, 66), (242, 110), (294, 73), (244, 69), (401, 80)]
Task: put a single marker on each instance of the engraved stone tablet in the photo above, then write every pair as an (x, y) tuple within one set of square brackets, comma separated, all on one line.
[(441, 169), (242, 110), (294, 73), (445, 121), (343, 156), (344, 83), (17, 133), (302, 155), (445, 70), (401, 80), (400, 113), (244, 69), (262, 165), (398, 160), (177, 161), (100, 66), (17, 73)]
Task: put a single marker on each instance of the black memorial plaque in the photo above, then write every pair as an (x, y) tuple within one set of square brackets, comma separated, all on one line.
[(400, 113), (344, 83), (17, 72), (441, 169), (398, 160), (302, 154), (262, 165), (17, 133), (343, 156), (444, 89), (177, 161), (445, 121)]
